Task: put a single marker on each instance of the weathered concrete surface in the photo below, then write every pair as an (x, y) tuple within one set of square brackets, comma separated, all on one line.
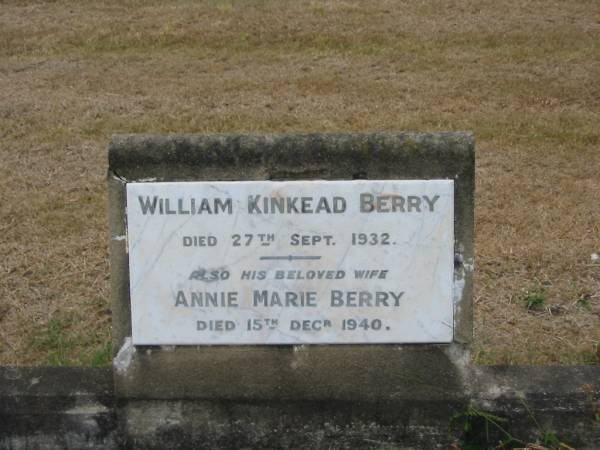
[(72, 408), (551, 400), (356, 373), (288, 372), (57, 408)]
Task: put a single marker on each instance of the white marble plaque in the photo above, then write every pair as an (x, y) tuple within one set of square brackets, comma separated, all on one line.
[(294, 262)]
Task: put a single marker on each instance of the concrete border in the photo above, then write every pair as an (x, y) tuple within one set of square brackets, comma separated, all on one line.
[(57, 408), (74, 408), (360, 373)]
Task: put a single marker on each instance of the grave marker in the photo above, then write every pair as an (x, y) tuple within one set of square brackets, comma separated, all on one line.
[(244, 255)]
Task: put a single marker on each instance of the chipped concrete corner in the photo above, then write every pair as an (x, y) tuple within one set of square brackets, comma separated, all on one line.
[(122, 361), (349, 372)]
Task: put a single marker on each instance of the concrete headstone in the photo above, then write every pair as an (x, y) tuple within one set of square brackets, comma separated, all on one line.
[(221, 244)]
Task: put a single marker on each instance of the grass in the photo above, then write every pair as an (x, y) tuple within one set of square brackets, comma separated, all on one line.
[(534, 300), (64, 345), (523, 76)]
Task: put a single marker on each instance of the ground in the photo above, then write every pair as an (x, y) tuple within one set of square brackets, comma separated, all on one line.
[(523, 76)]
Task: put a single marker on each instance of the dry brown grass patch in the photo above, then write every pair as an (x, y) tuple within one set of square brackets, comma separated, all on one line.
[(523, 76)]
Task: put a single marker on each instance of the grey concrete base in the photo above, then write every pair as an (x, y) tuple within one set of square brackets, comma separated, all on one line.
[(52, 408), (348, 372)]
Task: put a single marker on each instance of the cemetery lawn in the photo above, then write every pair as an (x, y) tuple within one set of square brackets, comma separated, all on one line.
[(523, 76)]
